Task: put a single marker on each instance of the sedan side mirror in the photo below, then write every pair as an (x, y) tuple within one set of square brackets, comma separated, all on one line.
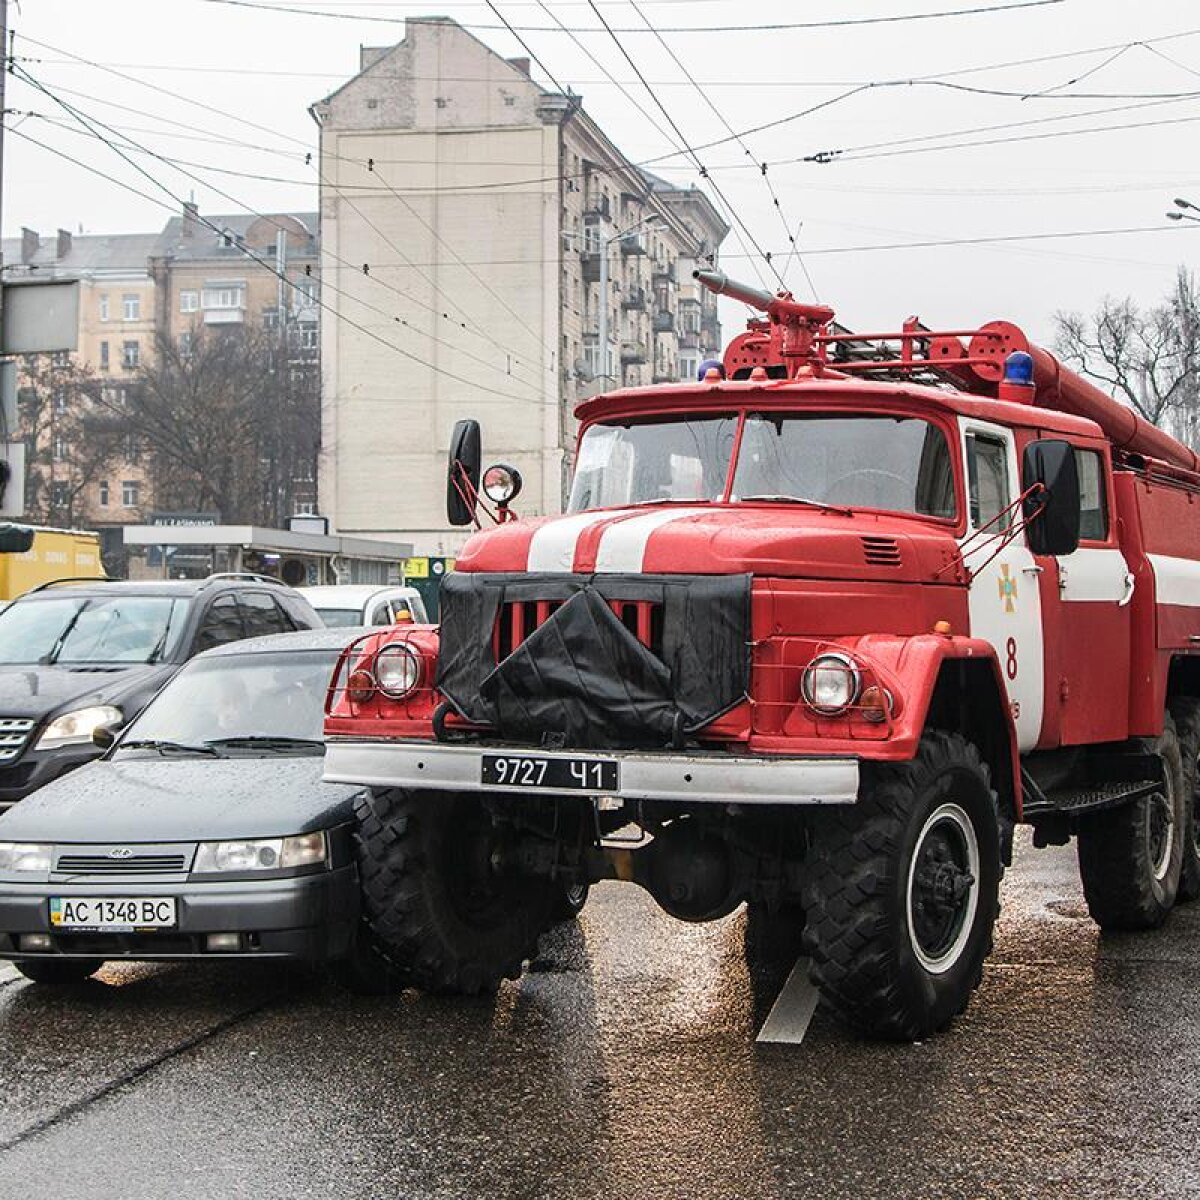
[(1052, 510), (103, 736), (462, 473)]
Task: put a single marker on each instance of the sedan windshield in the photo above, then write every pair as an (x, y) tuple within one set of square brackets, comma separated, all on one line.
[(681, 459), (246, 698), (340, 618), (73, 630)]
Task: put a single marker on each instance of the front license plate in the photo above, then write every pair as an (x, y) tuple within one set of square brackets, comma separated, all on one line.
[(558, 774), (112, 914)]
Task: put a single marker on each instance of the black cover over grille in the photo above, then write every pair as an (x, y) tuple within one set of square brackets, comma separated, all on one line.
[(582, 676)]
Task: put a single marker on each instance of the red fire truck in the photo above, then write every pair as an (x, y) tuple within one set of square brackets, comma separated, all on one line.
[(814, 634)]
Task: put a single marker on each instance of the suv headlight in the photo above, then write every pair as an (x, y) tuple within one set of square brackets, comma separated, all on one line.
[(25, 856), (830, 684), (75, 728), (260, 854)]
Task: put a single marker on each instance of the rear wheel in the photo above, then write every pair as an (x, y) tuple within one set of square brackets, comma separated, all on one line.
[(903, 891), (58, 971), (569, 903), (441, 910), (1131, 858), (1186, 712)]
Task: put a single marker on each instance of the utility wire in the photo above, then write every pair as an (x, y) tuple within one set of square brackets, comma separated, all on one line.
[(683, 139), (787, 228), (262, 262), (774, 27)]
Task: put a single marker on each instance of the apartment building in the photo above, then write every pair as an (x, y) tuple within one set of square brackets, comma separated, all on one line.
[(492, 253)]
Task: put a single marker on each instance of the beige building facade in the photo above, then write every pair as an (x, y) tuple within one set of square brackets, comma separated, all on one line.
[(464, 215)]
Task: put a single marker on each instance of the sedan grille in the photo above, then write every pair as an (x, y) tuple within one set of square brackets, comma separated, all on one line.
[(14, 733), (148, 862)]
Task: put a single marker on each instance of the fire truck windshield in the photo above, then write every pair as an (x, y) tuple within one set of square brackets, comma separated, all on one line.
[(872, 461), (683, 458), (898, 463)]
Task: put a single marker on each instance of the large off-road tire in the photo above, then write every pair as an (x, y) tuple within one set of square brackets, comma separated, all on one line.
[(1186, 712), (365, 971), (1130, 858), (902, 892), (569, 902), (436, 905), (59, 972)]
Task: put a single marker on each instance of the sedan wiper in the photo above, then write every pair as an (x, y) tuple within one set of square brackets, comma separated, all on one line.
[(163, 747), (268, 742), (817, 504)]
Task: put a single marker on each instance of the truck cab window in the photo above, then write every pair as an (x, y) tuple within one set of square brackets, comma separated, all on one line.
[(1093, 511), (987, 482)]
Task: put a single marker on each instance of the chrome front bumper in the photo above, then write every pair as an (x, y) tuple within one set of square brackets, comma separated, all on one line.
[(696, 778)]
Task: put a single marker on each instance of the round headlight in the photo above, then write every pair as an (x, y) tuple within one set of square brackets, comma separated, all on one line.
[(501, 483), (397, 670), (830, 684)]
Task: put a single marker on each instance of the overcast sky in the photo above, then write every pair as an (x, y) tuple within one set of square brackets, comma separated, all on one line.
[(259, 70)]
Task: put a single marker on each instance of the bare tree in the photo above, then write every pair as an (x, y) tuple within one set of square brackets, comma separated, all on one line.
[(1148, 358), (66, 452), (228, 420)]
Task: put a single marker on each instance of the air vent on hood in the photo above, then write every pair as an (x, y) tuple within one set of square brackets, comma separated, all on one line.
[(881, 551)]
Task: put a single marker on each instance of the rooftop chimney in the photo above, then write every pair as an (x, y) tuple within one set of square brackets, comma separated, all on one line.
[(522, 65), (30, 243), (191, 218), (63, 246)]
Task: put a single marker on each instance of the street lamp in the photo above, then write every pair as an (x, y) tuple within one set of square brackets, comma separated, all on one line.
[(1186, 215), (605, 242)]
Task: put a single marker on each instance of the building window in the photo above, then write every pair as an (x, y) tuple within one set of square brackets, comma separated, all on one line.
[(104, 493), (60, 449), (223, 297), (131, 307), (185, 344), (306, 508), (132, 447), (129, 493), (104, 306), (104, 356), (270, 318), (131, 355), (60, 358), (60, 494), (189, 302), (309, 337), (59, 400)]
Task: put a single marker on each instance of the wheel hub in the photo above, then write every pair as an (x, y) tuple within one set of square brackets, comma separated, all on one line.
[(943, 887)]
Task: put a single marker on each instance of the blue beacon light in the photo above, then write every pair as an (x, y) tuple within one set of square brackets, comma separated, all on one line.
[(1018, 368)]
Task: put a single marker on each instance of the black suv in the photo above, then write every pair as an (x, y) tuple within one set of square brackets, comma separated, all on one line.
[(76, 656)]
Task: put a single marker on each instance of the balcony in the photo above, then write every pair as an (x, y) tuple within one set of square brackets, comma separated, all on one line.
[(689, 339), (224, 316), (589, 261), (633, 352), (663, 272), (634, 300), (598, 207), (634, 243), (664, 322)]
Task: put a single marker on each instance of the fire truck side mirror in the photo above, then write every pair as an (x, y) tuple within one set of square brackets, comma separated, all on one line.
[(462, 473), (1052, 511)]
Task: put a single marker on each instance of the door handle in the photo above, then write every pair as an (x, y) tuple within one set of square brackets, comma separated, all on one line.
[(1034, 570), (1130, 584)]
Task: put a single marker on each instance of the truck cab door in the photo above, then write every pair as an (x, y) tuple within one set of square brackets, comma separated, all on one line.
[(1004, 600), (1095, 586)]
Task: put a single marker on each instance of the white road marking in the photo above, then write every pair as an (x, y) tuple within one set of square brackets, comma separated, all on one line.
[(8, 973), (623, 547), (787, 1022)]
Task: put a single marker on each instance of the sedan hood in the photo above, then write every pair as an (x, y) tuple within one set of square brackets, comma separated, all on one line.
[(181, 799), (34, 691)]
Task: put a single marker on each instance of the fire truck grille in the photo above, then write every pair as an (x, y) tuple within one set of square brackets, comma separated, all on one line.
[(516, 621)]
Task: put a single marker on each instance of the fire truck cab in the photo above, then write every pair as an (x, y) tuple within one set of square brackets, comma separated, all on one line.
[(813, 634)]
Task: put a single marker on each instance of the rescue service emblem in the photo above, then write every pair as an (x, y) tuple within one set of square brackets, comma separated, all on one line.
[(1008, 589)]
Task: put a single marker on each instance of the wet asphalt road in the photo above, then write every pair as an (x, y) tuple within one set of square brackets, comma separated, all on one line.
[(622, 1065)]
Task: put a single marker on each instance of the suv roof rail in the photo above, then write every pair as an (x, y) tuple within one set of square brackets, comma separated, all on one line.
[(253, 576), (41, 587)]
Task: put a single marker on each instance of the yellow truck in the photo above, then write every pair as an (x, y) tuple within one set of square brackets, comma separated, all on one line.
[(55, 554)]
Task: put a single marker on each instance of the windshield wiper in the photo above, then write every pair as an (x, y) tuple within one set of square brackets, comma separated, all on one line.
[(60, 641), (267, 741), (817, 504), (163, 746), (667, 500)]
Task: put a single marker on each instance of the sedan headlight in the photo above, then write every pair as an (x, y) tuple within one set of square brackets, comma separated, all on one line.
[(25, 856), (830, 684), (260, 854), (75, 728), (397, 670)]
